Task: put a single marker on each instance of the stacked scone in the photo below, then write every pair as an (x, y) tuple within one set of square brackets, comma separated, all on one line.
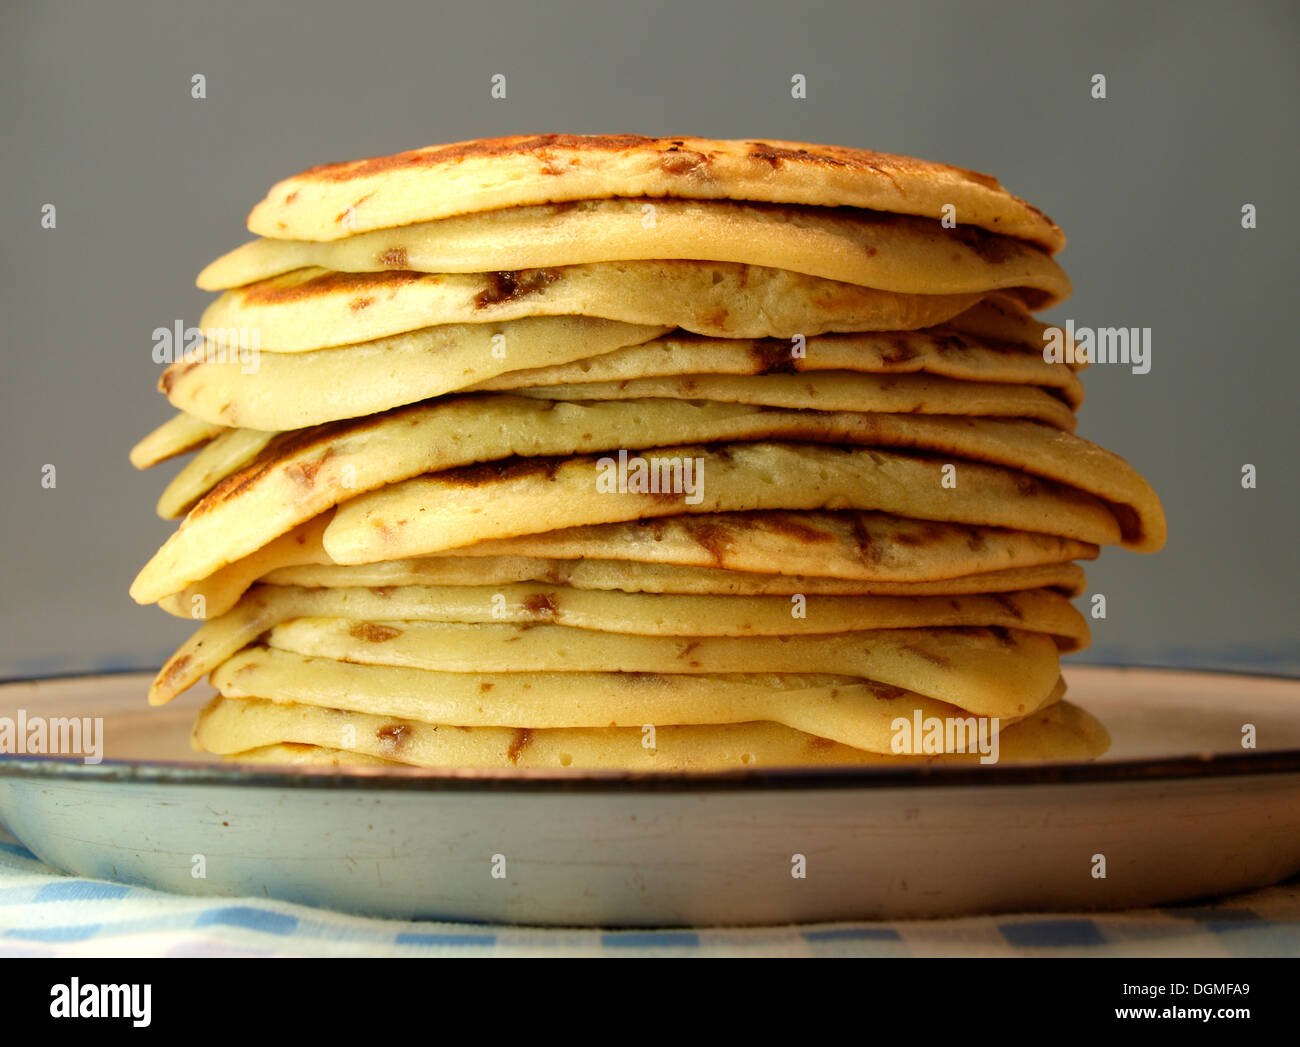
[(616, 452)]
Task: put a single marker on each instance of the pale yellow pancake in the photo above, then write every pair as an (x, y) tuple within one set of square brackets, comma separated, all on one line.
[(301, 476), (179, 434), (253, 731), (294, 390), (868, 248), (315, 308), (843, 709), (641, 614), (337, 200)]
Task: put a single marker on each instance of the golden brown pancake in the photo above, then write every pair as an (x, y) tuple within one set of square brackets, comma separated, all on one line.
[(337, 200)]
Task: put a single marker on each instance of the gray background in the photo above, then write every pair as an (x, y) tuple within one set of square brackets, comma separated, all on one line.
[(151, 184)]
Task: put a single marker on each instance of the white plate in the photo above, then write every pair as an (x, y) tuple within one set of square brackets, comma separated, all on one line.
[(1177, 807)]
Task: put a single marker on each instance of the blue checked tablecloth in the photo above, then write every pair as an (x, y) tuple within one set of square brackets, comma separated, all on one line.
[(45, 913)]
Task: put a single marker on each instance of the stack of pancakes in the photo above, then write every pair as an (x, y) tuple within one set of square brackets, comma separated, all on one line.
[(618, 452)]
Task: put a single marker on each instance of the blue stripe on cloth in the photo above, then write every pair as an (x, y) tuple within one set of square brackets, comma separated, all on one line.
[(56, 934), (248, 917), (650, 940), (80, 891), (1052, 933), (1257, 938), (853, 934), (415, 938)]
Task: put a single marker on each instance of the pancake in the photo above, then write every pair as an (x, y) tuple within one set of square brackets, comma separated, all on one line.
[(633, 577), (224, 455), (942, 351), (294, 390), (293, 754), (1062, 731), (871, 548), (842, 709), (863, 545), (222, 590), (301, 476), (315, 308), (179, 434), (641, 614), (869, 248), (835, 391), (991, 671), (332, 201), (528, 495)]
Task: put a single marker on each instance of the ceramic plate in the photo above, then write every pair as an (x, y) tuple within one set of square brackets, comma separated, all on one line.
[(1178, 809)]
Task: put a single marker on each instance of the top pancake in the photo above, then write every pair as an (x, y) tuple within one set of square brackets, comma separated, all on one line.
[(332, 201)]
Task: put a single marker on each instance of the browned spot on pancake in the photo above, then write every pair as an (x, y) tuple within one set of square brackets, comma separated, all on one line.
[(394, 258), (541, 605), (277, 292), (458, 151), (514, 468), (1002, 636), (773, 356), (954, 605), (291, 197), (688, 649), (909, 538), (885, 691), (715, 317), (353, 208), (300, 538), (791, 526), (175, 667), (371, 632), (522, 737), (357, 304), (867, 551), (1010, 606), (676, 160), (393, 737), (511, 285), (1027, 485), (816, 742), (305, 472), (485, 686), (656, 525), (975, 539), (929, 656), (899, 351), (178, 369), (990, 247), (776, 156), (712, 537)]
